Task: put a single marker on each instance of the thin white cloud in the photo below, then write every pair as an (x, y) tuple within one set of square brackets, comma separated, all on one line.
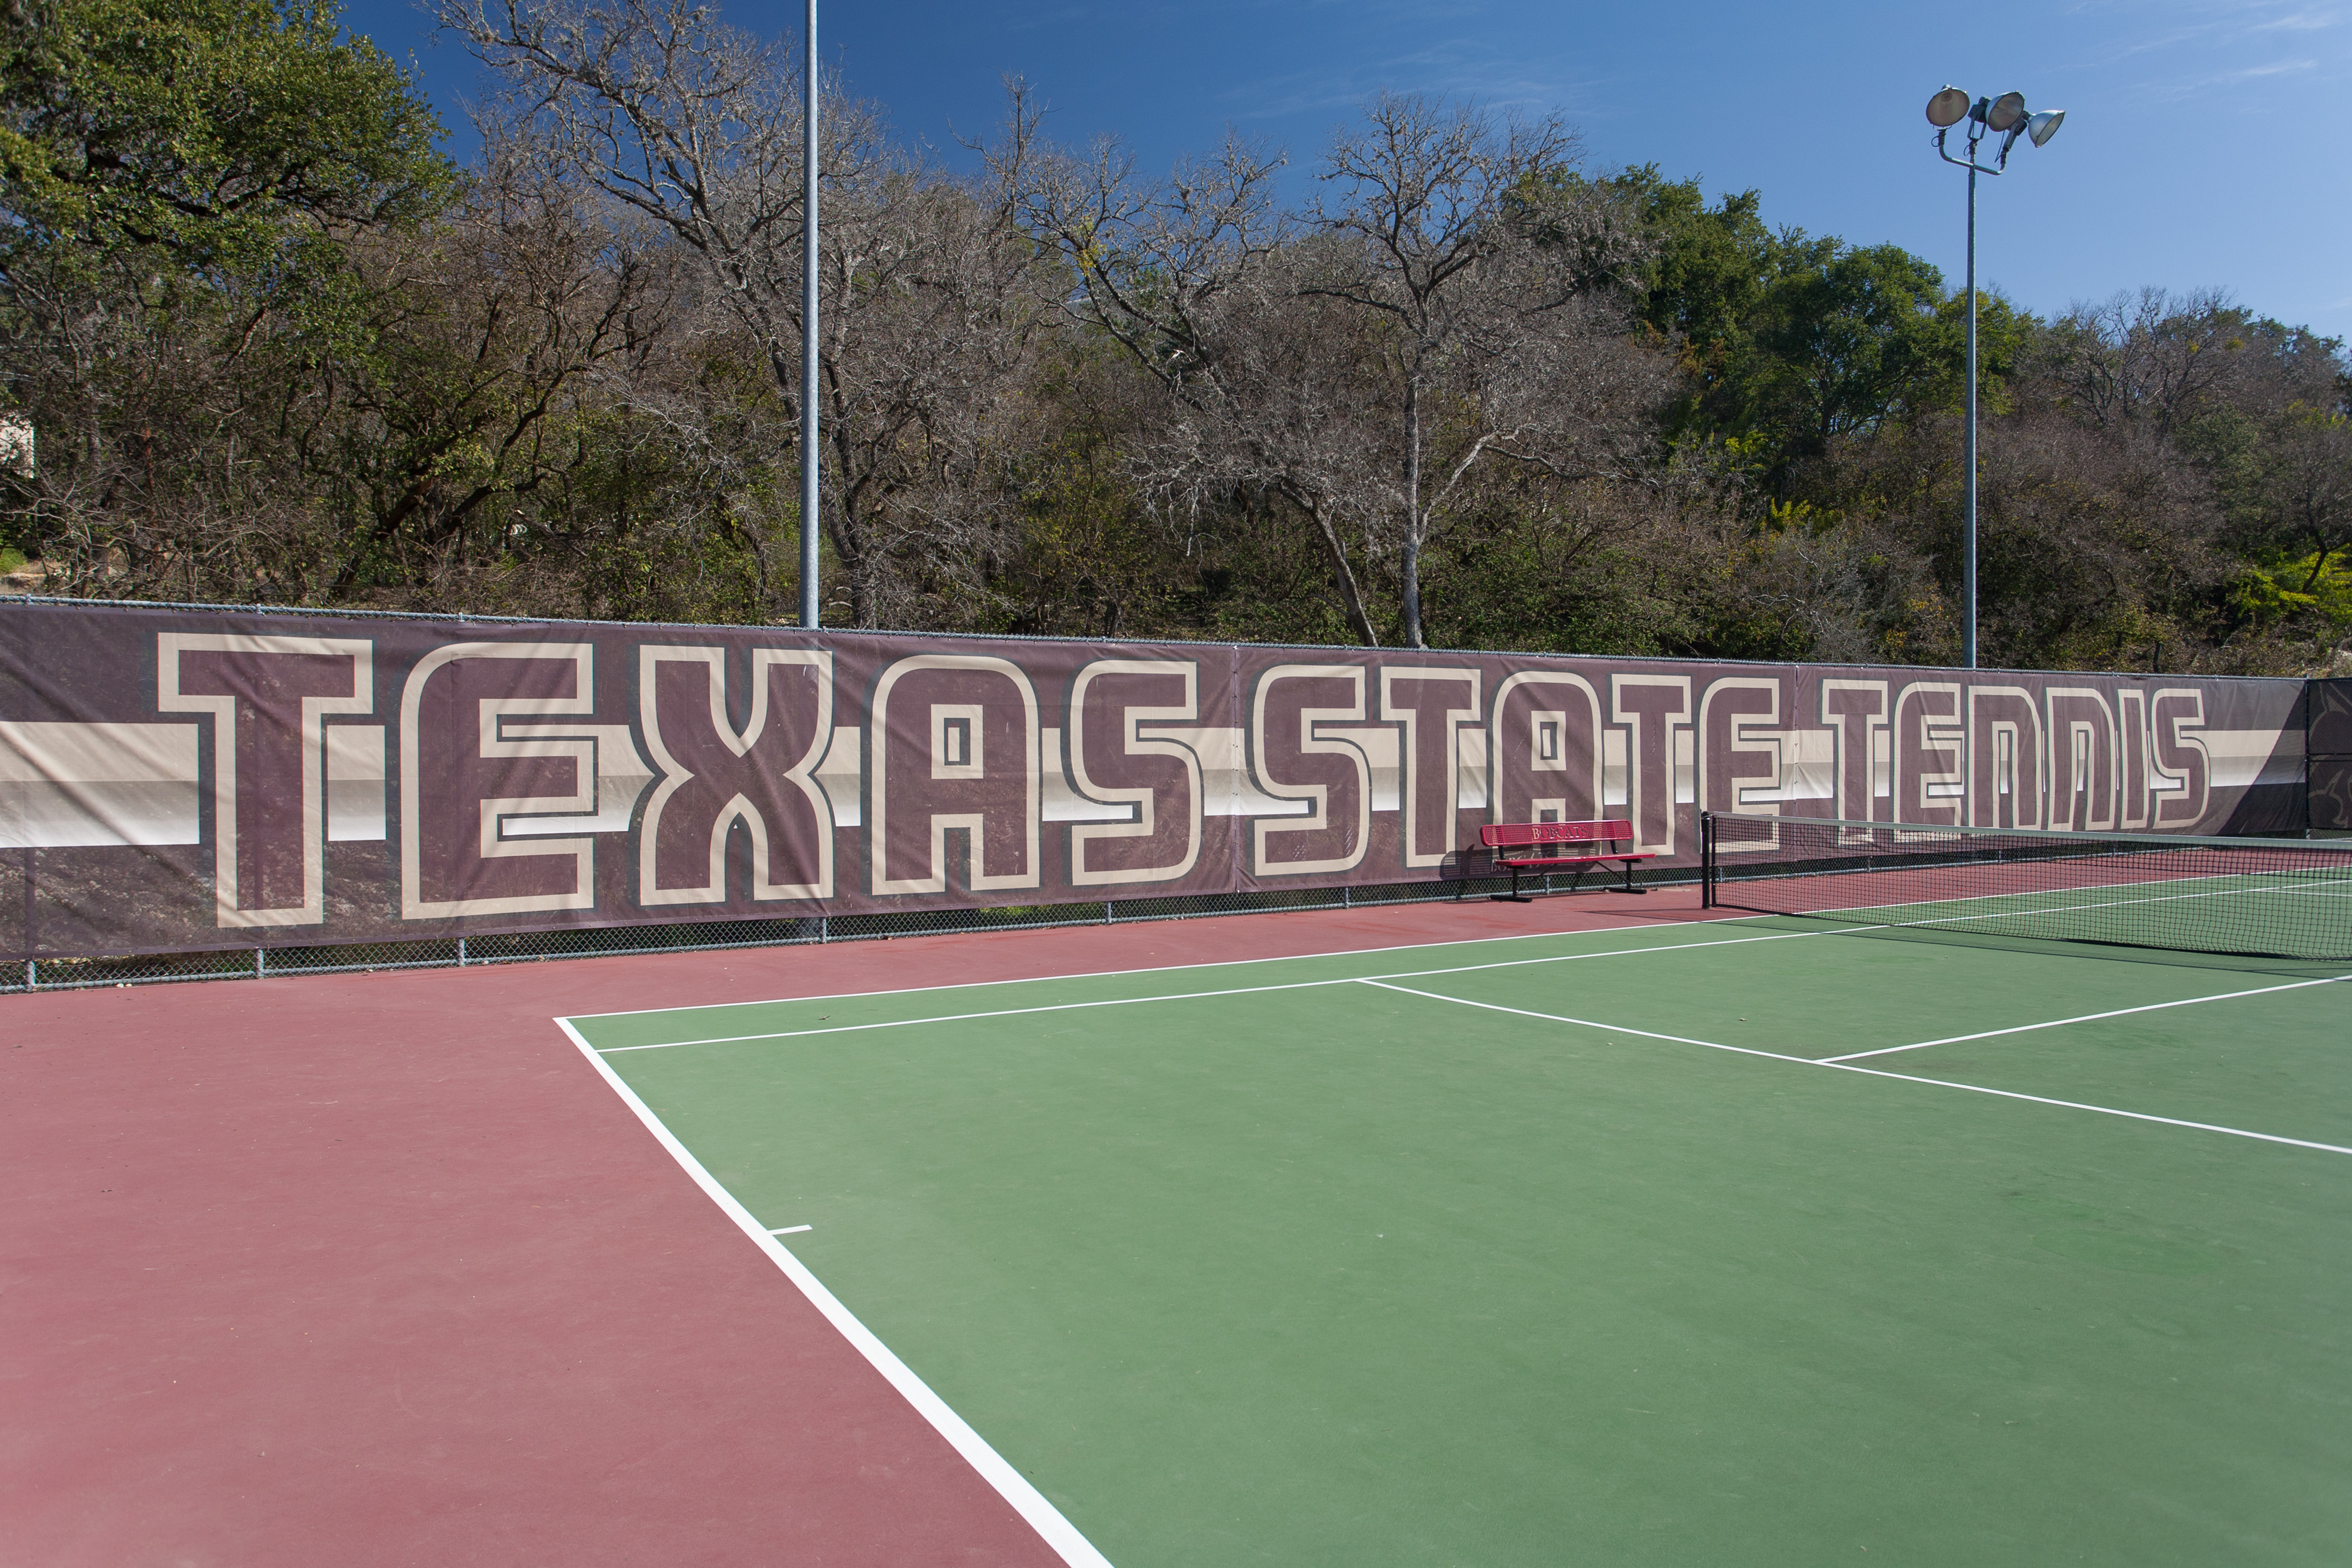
[(2301, 22), (1473, 72), (2206, 26), (2183, 87), (2276, 67)]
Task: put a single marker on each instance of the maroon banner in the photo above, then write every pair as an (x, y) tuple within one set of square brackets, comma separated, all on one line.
[(176, 779)]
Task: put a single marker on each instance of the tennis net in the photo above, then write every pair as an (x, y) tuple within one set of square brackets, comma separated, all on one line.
[(2256, 896)]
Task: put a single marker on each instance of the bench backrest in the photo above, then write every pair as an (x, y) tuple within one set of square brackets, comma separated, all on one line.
[(1513, 835)]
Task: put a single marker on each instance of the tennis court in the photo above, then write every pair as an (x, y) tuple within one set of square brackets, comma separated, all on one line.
[(1763, 1239)]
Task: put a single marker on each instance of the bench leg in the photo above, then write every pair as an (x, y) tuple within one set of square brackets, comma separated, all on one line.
[(1629, 880), (1513, 897)]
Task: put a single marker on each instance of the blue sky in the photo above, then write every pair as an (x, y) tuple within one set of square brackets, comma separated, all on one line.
[(2205, 144)]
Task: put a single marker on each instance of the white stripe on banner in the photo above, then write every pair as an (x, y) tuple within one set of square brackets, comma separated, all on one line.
[(69, 786)]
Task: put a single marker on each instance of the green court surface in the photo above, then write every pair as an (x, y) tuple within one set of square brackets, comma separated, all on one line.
[(1569, 1249)]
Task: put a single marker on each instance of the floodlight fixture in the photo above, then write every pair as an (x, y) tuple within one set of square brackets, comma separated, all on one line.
[(2008, 118), (2039, 127), (1947, 108)]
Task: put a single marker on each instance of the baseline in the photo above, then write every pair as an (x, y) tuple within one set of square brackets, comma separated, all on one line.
[(1198, 995), (1173, 968)]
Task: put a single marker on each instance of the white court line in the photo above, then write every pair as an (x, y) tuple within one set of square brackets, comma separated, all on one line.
[(2085, 1018), (1562, 1018), (1043, 1516), (1161, 968), (1876, 1072), (791, 1229), (1236, 990)]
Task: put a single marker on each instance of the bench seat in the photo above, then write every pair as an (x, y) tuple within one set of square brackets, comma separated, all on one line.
[(1520, 847)]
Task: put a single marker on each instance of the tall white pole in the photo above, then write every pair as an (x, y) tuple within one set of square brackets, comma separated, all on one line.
[(809, 455), (1969, 557)]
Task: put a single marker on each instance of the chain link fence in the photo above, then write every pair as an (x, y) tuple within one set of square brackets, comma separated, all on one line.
[(531, 947)]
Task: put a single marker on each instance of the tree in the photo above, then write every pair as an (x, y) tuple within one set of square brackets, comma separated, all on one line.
[(1485, 282), (1799, 340), (2288, 495), (225, 134), (276, 350), (1191, 276), (501, 334), (2147, 361), (2307, 499), (180, 180), (1843, 338), (1706, 271), (1360, 363), (929, 295), (1705, 267), (235, 450)]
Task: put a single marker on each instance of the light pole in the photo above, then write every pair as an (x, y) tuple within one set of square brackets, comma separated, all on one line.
[(809, 455), (2008, 118)]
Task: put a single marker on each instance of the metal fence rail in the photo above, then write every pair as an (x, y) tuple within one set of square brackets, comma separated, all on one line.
[(530, 947)]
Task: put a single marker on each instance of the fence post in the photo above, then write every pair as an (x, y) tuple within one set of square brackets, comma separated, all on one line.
[(823, 929), (261, 963), (461, 953), (1108, 919)]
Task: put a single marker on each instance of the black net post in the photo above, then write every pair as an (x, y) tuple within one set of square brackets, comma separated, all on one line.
[(1707, 860)]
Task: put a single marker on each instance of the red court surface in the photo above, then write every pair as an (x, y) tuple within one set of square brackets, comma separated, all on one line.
[(373, 1268)]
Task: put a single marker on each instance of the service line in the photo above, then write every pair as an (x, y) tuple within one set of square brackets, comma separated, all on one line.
[(2085, 1018), (1871, 1072)]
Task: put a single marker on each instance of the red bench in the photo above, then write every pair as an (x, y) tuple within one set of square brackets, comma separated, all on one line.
[(1551, 845)]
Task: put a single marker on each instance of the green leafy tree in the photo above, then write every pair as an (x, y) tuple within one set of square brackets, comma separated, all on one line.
[(180, 184), (1800, 340), (228, 134), (1707, 270), (1840, 340)]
